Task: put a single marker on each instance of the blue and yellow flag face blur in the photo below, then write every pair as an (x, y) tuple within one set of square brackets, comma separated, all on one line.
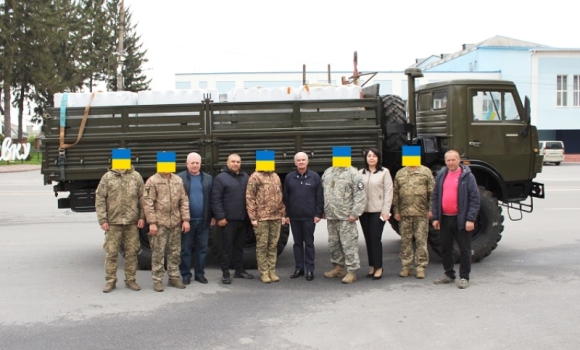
[(411, 155), (265, 161), (121, 159), (165, 162), (341, 156)]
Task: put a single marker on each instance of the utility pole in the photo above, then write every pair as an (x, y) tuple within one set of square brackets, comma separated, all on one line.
[(120, 51)]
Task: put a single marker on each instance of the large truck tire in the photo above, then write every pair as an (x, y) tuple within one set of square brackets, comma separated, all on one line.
[(488, 226), (144, 255), (249, 245), (487, 233), (393, 113), (433, 238)]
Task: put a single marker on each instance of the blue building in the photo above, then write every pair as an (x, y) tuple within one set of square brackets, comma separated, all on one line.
[(549, 76)]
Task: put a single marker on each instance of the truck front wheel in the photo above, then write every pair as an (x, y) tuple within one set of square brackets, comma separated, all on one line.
[(487, 233)]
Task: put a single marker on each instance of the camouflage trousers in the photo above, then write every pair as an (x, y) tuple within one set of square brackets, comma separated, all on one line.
[(414, 227), (167, 239), (128, 235), (343, 243), (267, 235)]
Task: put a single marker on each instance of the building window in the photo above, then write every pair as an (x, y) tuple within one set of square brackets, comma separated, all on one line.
[(562, 91), (183, 85), (202, 84), (576, 91)]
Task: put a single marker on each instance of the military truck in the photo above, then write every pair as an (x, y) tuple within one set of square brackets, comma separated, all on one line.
[(502, 152)]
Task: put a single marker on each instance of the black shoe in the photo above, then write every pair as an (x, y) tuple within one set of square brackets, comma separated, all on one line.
[(186, 280), (371, 275), (226, 278), (297, 274), (378, 277), (309, 276), (200, 279), (243, 274)]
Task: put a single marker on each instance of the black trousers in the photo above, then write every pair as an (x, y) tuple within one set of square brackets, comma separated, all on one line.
[(233, 239), (303, 234), (372, 227), (449, 233)]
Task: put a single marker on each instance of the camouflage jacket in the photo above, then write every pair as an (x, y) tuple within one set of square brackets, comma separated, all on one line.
[(118, 200), (412, 191), (264, 196), (344, 193), (164, 201)]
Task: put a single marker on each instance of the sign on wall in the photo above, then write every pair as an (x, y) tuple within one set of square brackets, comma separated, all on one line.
[(11, 152)]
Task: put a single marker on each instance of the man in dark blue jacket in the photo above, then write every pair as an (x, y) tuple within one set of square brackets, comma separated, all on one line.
[(455, 207), (228, 204), (197, 186), (304, 203)]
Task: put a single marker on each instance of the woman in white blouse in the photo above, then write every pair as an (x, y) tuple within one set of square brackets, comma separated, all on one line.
[(379, 191)]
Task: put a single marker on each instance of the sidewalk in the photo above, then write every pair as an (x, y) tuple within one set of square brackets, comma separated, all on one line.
[(18, 168)]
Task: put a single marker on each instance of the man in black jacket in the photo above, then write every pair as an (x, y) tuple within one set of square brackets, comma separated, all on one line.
[(228, 204), (455, 207), (304, 203), (197, 186)]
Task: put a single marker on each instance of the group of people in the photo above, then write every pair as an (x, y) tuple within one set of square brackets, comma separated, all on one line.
[(180, 208)]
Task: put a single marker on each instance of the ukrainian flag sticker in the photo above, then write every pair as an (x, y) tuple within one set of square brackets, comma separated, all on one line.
[(121, 159), (265, 160), (165, 162), (341, 156), (411, 155)]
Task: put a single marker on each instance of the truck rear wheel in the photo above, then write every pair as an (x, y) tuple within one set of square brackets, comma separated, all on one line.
[(249, 245), (144, 255)]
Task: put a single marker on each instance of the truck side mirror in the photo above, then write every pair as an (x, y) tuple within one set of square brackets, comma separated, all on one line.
[(527, 117)]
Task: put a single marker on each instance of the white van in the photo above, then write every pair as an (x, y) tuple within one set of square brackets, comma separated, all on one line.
[(553, 151)]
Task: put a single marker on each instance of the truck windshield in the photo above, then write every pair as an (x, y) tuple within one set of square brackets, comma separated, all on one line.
[(494, 106)]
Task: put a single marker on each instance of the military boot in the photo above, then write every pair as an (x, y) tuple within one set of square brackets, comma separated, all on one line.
[(158, 286), (420, 274), (338, 271), (265, 276), (176, 282), (132, 285), (405, 272), (109, 287), (273, 277), (349, 278)]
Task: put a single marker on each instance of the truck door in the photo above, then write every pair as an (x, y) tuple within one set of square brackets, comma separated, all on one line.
[(494, 133)]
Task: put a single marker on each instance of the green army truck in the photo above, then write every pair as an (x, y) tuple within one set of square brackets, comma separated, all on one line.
[(502, 152)]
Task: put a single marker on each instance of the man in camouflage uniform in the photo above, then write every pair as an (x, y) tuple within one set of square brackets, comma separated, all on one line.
[(412, 190), (166, 208), (266, 212), (119, 211), (344, 202)]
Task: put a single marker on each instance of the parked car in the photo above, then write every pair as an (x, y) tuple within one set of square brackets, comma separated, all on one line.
[(553, 151)]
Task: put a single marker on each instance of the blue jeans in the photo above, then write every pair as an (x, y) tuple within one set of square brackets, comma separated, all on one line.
[(194, 243)]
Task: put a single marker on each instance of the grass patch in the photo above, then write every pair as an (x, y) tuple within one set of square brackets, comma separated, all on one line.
[(35, 158)]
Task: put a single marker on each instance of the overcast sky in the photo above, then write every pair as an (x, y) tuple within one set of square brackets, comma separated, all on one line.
[(195, 36)]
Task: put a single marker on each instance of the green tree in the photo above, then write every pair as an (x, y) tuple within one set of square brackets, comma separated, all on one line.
[(97, 45), (6, 59), (134, 78)]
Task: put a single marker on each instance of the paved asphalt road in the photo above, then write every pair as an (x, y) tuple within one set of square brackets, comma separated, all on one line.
[(523, 296)]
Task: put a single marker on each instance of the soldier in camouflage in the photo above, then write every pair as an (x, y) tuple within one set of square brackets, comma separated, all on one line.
[(119, 211), (412, 190), (266, 212), (344, 202), (166, 208)]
